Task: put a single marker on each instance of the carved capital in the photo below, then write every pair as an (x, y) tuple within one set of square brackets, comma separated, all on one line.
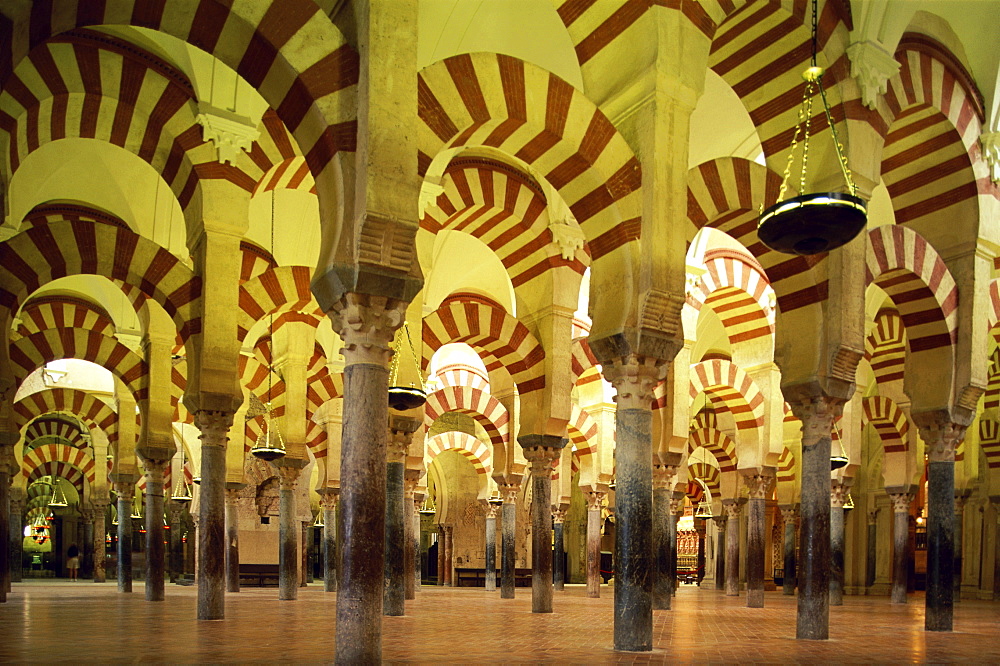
[(214, 427), (758, 485), (367, 325), (901, 502), (990, 142), (17, 505), (720, 522), (677, 503), (558, 515), (873, 516), (401, 431), (594, 500), (155, 470), (634, 378), (541, 451), (288, 476), (568, 237), (328, 498), (732, 509), (492, 510), (509, 492), (941, 436), (233, 493), (789, 515), (872, 66), (663, 476), (838, 493), (125, 490), (100, 504), (817, 415)]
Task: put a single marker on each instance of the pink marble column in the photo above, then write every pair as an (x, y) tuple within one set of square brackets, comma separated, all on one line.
[(211, 524), (594, 500)]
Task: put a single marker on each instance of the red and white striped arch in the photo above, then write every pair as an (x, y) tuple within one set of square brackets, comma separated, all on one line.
[(991, 399), (323, 386), (73, 464), (91, 410), (708, 473), (48, 312), (461, 374), (733, 387), (57, 428), (885, 346), (582, 362), (716, 442), (989, 441), (889, 422), (785, 473), (912, 273), (468, 446), (280, 289), (503, 341), (481, 406), (739, 292), (480, 99)]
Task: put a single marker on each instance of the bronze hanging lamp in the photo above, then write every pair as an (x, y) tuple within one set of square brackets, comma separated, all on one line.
[(819, 221), (58, 496), (838, 460), (182, 489), (402, 398)]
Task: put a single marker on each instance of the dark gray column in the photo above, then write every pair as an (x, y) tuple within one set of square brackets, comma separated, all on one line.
[(732, 508), (176, 558), (788, 514), (6, 455), (508, 516), (901, 499), (541, 451), (233, 536), (449, 560), (86, 549), (813, 568), (440, 554), (676, 509), (125, 488), (758, 484), (17, 496), (100, 508), (305, 552), (662, 493), (491, 547), (558, 549), (400, 433), (838, 495), (960, 498), (594, 499), (409, 543), (210, 553), (328, 504), (720, 552), (870, 549), (417, 572), (288, 528), (155, 565)]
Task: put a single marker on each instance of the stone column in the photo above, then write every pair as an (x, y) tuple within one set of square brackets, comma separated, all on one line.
[(418, 501), (366, 324), (233, 536), (441, 547), (633, 378), (125, 489), (491, 546), (941, 438), (720, 551), (838, 495), (870, 550), (508, 517), (306, 545), (541, 451), (100, 508), (758, 488), (900, 541), (788, 513), (288, 528), (594, 500), (558, 549), (328, 504), (17, 501), (663, 577), (155, 471), (210, 553), (732, 508), (960, 498), (400, 433), (410, 534), (813, 613), (86, 541), (6, 460), (175, 510), (449, 559), (676, 509)]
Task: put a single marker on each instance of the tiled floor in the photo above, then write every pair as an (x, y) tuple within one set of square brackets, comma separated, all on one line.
[(83, 622)]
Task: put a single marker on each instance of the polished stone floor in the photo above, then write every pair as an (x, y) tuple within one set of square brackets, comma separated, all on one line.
[(60, 621)]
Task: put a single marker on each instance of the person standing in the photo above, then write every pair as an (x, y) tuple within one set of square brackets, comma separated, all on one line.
[(73, 561)]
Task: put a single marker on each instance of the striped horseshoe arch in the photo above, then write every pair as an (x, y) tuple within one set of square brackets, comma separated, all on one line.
[(54, 428), (481, 406), (785, 472), (739, 292), (889, 422), (47, 312), (487, 328), (709, 474), (73, 464), (717, 443), (471, 448), (989, 441), (885, 347), (283, 288), (91, 410), (733, 387)]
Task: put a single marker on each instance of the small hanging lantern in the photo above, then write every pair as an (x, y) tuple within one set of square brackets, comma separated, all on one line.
[(819, 221), (269, 445), (849, 502), (58, 496), (428, 508), (319, 519), (182, 489), (402, 398), (136, 507), (839, 460)]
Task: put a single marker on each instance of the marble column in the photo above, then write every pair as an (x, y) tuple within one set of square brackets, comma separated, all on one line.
[(233, 536), (508, 517), (558, 549), (663, 490), (6, 460), (676, 509), (788, 514), (328, 504), (155, 565), (541, 451), (418, 500), (941, 438), (409, 540), (400, 433), (900, 541), (366, 324), (759, 487), (17, 502), (870, 551), (175, 510), (86, 541), (125, 489), (960, 498), (210, 526), (100, 508), (995, 502), (441, 548), (306, 547), (720, 551), (838, 495), (449, 556), (594, 500), (633, 378), (733, 509), (817, 415), (491, 546), (288, 528)]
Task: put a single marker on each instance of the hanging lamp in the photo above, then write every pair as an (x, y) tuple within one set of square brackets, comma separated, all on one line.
[(849, 502), (114, 514), (270, 445), (58, 496), (182, 489), (818, 221), (319, 519), (428, 508), (402, 398), (136, 507), (839, 460), (704, 509)]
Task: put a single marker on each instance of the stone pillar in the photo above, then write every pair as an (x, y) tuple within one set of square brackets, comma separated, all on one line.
[(720, 551), (418, 501), (409, 534), (86, 541), (288, 528), (366, 324), (960, 498), (6, 463), (732, 508), (491, 546), (100, 508), (838, 495), (995, 502), (328, 504), (305, 544), (788, 514), (676, 509), (125, 490), (17, 502), (400, 433), (541, 451), (900, 541), (633, 378), (508, 517), (449, 559), (176, 559), (210, 553), (155, 565), (813, 568), (441, 547), (870, 550), (663, 577), (941, 438), (233, 536), (558, 549), (758, 488), (594, 500)]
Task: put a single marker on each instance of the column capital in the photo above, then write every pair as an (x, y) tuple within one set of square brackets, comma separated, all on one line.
[(788, 514), (233, 492), (17, 504), (367, 324), (558, 515), (125, 489), (509, 492), (288, 472), (758, 482), (155, 469), (901, 502), (401, 429), (492, 509), (85, 513), (873, 516), (817, 413), (677, 502), (214, 427), (595, 498), (732, 508), (838, 493), (663, 476), (541, 451), (328, 498), (634, 377), (941, 435), (409, 487), (720, 522), (100, 504)]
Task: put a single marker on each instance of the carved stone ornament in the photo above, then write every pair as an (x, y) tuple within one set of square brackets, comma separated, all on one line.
[(634, 378), (817, 415), (757, 485), (229, 133), (838, 494), (568, 237), (429, 193), (367, 325), (509, 492), (214, 427), (872, 66), (990, 142), (594, 500), (663, 476), (788, 516), (732, 509), (942, 439), (558, 516), (900, 502)]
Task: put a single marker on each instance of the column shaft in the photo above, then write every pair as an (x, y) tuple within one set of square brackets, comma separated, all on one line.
[(957, 567), (733, 550), (788, 579), (416, 546), (288, 538), (100, 542), (125, 537), (395, 595), (672, 549), (594, 549), (409, 550), (491, 551), (755, 552), (541, 539), (448, 555), (16, 540), (558, 570), (720, 553), (870, 553), (440, 555), (661, 548), (210, 555), (836, 556), (900, 545), (87, 561), (154, 533), (232, 540), (4, 523), (329, 549), (940, 545), (507, 561)]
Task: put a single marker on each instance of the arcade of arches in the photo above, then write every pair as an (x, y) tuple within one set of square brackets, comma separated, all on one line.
[(226, 219)]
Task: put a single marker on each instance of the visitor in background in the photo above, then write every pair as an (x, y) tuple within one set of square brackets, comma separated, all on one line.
[(73, 561)]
